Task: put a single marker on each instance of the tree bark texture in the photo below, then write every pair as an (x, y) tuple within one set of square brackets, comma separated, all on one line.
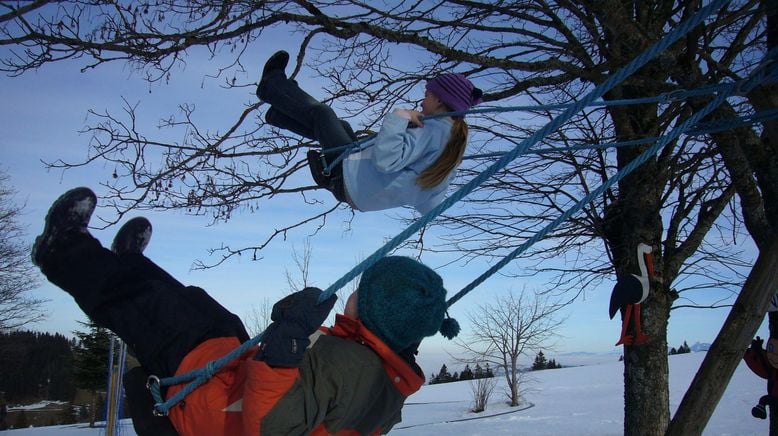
[(726, 351)]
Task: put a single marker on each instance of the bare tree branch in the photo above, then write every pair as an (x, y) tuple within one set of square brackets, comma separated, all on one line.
[(17, 274), (511, 327), (682, 202)]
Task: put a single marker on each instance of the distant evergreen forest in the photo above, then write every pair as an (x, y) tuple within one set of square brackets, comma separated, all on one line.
[(69, 375), (36, 366)]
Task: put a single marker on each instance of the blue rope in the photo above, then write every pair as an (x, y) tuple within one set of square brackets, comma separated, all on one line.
[(198, 377), (568, 113), (642, 158), (719, 125), (667, 97)]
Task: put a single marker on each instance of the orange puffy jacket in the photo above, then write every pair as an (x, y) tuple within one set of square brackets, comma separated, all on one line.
[(349, 383)]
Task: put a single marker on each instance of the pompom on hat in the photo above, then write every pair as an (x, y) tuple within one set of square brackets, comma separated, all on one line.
[(456, 91), (403, 301)]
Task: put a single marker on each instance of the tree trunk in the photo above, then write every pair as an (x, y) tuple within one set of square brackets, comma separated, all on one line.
[(646, 375), (633, 219), (513, 381), (726, 351), (753, 171), (772, 412), (773, 416), (93, 410)]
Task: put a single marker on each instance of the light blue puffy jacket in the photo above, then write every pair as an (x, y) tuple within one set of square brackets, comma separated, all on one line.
[(383, 176)]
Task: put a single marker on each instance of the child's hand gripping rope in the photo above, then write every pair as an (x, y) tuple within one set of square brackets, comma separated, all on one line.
[(295, 317)]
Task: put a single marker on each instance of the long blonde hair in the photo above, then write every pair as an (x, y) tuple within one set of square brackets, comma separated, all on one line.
[(449, 159)]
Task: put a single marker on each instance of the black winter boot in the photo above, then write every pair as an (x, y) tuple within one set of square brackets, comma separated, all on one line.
[(133, 237), (68, 215), (277, 62)]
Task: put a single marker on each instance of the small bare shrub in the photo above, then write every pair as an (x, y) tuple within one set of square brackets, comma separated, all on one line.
[(482, 389)]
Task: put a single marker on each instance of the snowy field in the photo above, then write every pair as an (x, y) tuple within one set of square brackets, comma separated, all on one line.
[(585, 400)]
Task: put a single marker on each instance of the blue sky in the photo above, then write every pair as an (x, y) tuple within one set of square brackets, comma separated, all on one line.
[(43, 111)]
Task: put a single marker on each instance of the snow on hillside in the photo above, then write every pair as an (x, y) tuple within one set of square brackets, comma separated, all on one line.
[(700, 347), (582, 400)]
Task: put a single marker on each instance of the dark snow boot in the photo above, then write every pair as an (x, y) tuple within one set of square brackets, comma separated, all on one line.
[(68, 216), (133, 237), (130, 241), (276, 63)]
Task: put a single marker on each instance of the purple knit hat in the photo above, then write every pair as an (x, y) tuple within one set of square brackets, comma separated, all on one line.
[(455, 91)]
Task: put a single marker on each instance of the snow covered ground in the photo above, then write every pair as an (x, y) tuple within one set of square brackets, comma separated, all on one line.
[(584, 400)]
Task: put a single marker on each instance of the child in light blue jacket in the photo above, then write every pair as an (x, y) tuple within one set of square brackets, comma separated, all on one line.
[(410, 162)]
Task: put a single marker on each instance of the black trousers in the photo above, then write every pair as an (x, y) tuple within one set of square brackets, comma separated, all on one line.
[(158, 317), (140, 405), (293, 109)]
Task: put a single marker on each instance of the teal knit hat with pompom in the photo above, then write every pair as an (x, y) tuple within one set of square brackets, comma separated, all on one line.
[(403, 301)]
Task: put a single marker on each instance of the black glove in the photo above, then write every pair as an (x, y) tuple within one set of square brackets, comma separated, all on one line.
[(295, 317), (756, 344), (759, 411)]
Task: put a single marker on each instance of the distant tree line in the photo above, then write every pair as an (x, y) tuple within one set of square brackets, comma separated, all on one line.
[(541, 363), (444, 376), (36, 366), (683, 349)]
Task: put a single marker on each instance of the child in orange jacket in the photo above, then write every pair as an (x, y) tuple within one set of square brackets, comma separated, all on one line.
[(764, 363), (350, 379)]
